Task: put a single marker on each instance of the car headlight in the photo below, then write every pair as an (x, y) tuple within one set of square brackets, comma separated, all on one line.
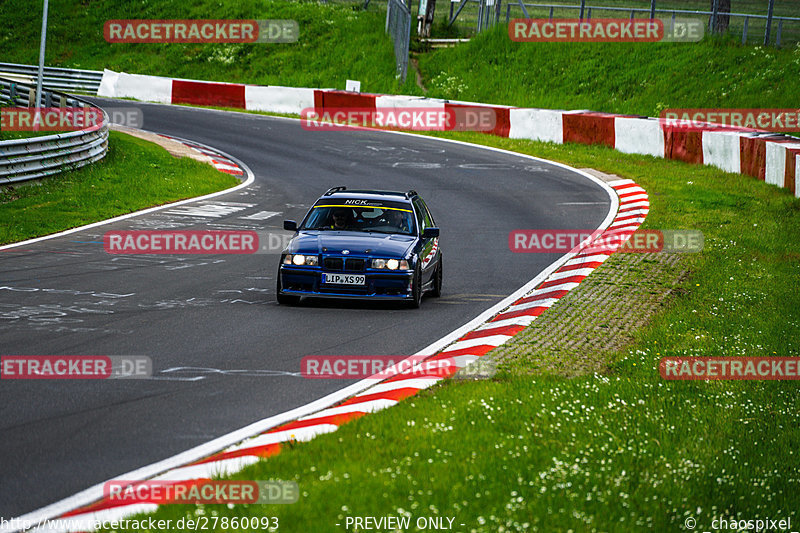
[(390, 264), (300, 260)]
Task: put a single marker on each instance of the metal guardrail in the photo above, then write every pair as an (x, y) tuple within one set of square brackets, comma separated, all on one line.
[(588, 11), (38, 157), (765, 22), (398, 25), (58, 79)]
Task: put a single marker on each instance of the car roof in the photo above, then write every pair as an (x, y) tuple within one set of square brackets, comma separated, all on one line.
[(369, 194)]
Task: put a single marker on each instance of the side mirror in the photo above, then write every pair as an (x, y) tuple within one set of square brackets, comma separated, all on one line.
[(290, 225), (430, 233)]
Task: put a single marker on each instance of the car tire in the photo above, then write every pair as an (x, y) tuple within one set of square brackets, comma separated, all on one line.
[(436, 290), (285, 299), (416, 290)]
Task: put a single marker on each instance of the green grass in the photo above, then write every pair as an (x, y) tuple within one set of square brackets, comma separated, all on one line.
[(608, 452), (134, 175), (614, 77), (336, 42), (614, 452)]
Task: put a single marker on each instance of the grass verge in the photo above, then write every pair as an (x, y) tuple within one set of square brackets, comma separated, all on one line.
[(614, 77), (134, 175), (528, 451), (337, 41)]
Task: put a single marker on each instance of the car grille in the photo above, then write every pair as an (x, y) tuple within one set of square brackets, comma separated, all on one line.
[(333, 263), (350, 264)]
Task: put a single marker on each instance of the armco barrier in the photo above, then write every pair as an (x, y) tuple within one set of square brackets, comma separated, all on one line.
[(635, 135), (340, 99), (502, 118), (59, 79), (686, 146), (213, 94), (767, 156), (38, 157), (589, 128)]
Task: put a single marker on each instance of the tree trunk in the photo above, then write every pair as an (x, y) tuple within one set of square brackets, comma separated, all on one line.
[(720, 25)]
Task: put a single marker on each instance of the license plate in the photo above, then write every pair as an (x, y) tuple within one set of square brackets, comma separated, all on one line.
[(344, 279)]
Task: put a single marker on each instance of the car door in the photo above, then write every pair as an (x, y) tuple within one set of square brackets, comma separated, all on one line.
[(428, 247)]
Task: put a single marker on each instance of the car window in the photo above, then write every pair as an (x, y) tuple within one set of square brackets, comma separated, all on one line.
[(381, 219), (423, 217), (429, 217)]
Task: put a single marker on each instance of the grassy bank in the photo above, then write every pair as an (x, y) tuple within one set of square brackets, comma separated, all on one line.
[(603, 452), (614, 77), (336, 42), (339, 41), (134, 175)]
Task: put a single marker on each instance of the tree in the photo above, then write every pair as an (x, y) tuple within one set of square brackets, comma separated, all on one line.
[(723, 19)]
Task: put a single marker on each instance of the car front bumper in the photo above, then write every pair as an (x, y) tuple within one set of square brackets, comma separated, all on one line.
[(379, 285)]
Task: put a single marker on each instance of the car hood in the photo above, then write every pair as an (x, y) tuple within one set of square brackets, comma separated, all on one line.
[(359, 244)]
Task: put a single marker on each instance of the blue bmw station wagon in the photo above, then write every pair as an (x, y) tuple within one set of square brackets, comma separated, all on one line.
[(364, 244)]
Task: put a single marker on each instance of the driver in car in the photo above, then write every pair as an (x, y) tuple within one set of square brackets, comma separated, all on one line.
[(396, 219), (341, 219)]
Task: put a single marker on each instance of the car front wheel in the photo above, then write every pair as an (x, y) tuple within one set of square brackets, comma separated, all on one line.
[(416, 289), (285, 299), (436, 291)]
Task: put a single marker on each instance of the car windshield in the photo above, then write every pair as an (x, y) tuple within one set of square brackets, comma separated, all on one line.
[(365, 219)]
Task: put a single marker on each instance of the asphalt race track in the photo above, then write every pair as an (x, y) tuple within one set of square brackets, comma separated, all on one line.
[(224, 353)]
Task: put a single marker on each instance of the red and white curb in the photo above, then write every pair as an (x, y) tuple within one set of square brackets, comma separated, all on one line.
[(220, 162), (767, 156), (469, 347)]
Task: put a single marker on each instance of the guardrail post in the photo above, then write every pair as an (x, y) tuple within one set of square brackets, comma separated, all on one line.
[(62, 101), (12, 91), (583, 6), (712, 23), (48, 99), (652, 9), (769, 21), (744, 30), (32, 97), (778, 35)]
